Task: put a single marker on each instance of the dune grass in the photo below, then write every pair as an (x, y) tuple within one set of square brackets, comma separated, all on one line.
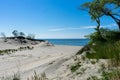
[(113, 75), (38, 77), (34, 77), (106, 51), (110, 51), (75, 67), (9, 51)]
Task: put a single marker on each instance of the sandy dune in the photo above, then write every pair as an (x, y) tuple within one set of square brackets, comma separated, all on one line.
[(41, 59)]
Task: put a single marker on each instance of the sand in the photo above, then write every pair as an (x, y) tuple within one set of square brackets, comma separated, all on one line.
[(42, 58)]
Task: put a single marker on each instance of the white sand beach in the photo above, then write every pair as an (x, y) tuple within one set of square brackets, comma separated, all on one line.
[(42, 58)]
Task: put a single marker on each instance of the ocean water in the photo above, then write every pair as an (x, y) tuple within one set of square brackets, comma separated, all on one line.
[(72, 42)]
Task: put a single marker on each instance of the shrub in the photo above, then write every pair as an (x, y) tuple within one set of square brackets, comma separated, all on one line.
[(38, 77), (106, 51), (93, 62), (113, 75), (110, 35), (16, 78), (85, 48), (75, 67)]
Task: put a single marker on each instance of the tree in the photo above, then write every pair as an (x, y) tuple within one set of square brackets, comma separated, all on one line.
[(99, 8), (31, 36), (22, 34), (95, 16), (4, 37), (15, 33)]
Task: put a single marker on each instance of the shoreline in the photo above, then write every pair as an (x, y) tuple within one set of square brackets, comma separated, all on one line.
[(66, 45)]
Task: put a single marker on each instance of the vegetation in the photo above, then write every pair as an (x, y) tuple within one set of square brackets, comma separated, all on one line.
[(75, 67), (85, 48), (37, 77), (113, 75), (104, 43), (20, 35), (4, 37), (15, 33), (100, 8), (14, 77), (31, 36), (34, 77), (9, 51)]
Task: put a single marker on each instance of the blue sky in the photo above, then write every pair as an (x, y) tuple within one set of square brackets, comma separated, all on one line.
[(47, 18)]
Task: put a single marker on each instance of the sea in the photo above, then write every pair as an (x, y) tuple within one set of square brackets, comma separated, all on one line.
[(71, 42)]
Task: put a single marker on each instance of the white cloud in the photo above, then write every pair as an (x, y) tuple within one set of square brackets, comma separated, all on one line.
[(64, 29), (82, 27), (57, 29), (71, 28), (112, 25), (74, 28), (104, 26), (107, 26)]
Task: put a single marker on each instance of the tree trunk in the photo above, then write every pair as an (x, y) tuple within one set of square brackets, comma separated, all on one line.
[(98, 30), (98, 26), (116, 20)]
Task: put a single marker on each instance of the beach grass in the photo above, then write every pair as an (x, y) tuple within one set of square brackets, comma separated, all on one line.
[(106, 51)]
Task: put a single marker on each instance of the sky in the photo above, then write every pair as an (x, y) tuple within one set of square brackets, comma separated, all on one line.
[(47, 18)]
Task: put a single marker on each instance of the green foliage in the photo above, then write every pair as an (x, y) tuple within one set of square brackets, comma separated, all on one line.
[(93, 78), (113, 75), (95, 37), (22, 35), (106, 51), (16, 78), (99, 8), (93, 62), (85, 48), (75, 67), (15, 33), (9, 51), (110, 35), (104, 43), (105, 36)]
